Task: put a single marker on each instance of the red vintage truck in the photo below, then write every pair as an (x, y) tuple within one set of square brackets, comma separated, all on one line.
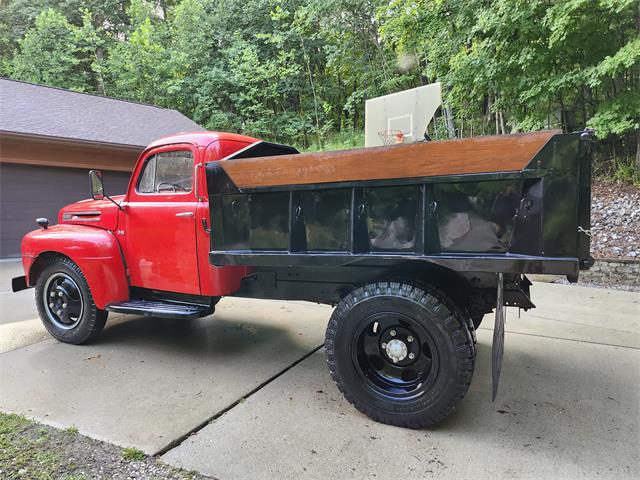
[(413, 244)]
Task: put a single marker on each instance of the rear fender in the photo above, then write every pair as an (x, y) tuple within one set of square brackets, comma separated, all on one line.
[(96, 251)]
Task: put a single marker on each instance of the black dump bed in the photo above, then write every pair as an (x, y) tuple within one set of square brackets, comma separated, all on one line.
[(501, 216)]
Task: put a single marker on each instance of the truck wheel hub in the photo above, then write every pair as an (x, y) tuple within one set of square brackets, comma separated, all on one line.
[(396, 350), (63, 301), (395, 355)]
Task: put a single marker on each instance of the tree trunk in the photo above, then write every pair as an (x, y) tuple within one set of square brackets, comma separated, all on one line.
[(99, 78), (313, 89), (339, 105), (563, 115), (164, 8), (638, 151), (451, 128)]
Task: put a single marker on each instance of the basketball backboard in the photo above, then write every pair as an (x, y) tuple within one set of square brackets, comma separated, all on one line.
[(409, 111)]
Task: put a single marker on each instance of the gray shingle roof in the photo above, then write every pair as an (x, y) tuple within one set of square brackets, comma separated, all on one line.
[(46, 111)]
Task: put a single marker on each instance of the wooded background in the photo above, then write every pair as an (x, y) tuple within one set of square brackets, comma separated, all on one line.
[(298, 71)]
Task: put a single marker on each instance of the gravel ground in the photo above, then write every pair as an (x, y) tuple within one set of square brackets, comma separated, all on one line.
[(615, 225), (609, 285), (615, 220), (29, 450)]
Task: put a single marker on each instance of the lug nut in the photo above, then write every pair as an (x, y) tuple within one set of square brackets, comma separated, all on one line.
[(59, 312), (52, 294), (51, 305), (64, 305), (59, 294), (411, 356), (409, 339), (392, 333), (384, 345)]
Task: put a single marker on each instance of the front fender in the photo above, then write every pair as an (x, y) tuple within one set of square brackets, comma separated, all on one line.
[(96, 251)]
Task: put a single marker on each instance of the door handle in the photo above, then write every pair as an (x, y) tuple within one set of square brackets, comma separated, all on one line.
[(184, 214)]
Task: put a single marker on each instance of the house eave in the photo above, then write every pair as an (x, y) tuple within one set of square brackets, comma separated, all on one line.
[(12, 135)]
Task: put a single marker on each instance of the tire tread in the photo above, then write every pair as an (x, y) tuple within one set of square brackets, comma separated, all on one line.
[(457, 324), (92, 325)]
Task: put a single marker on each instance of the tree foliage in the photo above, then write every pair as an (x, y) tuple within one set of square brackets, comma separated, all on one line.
[(299, 70)]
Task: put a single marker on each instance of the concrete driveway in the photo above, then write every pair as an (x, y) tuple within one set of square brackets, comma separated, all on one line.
[(18, 314), (246, 394)]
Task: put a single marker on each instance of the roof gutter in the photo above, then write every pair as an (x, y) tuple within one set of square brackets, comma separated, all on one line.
[(67, 141)]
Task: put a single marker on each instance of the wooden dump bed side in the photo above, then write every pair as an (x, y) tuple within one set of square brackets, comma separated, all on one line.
[(504, 153)]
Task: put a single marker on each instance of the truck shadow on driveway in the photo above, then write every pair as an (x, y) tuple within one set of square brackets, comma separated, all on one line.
[(209, 336)]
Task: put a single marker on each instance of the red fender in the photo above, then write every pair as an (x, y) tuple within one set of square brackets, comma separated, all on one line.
[(96, 251)]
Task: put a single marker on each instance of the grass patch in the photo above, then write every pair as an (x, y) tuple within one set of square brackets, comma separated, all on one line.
[(11, 423), (29, 450), (21, 449), (133, 454), (628, 174)]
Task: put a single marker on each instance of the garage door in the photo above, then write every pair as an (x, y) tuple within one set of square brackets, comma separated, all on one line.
[(28, 192)]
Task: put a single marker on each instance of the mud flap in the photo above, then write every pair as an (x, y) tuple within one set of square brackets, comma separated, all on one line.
[(19, 283), (498, 337)]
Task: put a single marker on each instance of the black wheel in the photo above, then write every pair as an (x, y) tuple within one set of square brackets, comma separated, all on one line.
[(400, 354), (65, 304)]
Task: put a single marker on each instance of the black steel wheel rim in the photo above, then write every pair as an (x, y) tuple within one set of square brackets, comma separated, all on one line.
[(63, 301), (395, 356)]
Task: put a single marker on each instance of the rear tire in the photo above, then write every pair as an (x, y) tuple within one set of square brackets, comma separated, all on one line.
[(477, 319), (402, 355), (65, 303)]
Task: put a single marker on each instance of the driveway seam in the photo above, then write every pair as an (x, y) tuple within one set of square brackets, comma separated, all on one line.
[(565, 339), (178, 441)]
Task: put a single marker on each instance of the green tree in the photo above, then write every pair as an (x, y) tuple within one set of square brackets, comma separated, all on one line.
[(514, 65), (54, 52), (298, 71), (140, 67)]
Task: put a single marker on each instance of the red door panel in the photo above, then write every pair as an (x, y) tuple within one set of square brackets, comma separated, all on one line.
[(160, 227), (162, 246)]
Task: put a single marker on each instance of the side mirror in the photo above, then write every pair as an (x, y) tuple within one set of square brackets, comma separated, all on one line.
[(96, 185)]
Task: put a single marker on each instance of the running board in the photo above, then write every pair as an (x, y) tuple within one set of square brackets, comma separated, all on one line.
[(161, 309)]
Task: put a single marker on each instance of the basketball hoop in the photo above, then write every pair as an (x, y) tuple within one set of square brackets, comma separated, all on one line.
[(391, 137)]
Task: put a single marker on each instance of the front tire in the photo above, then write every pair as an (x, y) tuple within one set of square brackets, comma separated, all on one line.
[(402, 355), (65, 303), (477, 319)]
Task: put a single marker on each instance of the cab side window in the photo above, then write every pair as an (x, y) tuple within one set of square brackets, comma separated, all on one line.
[(167, 172)]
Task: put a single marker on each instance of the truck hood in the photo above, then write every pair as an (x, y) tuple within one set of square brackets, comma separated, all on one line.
[(97, 213)]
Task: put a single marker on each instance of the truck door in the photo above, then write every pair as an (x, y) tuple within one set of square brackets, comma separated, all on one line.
[(160, 222)]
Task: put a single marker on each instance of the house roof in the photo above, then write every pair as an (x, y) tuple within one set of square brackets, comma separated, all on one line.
[(37, 110)]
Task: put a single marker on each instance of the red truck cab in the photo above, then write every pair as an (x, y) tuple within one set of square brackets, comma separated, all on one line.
[(168, 189), (151, 242)]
